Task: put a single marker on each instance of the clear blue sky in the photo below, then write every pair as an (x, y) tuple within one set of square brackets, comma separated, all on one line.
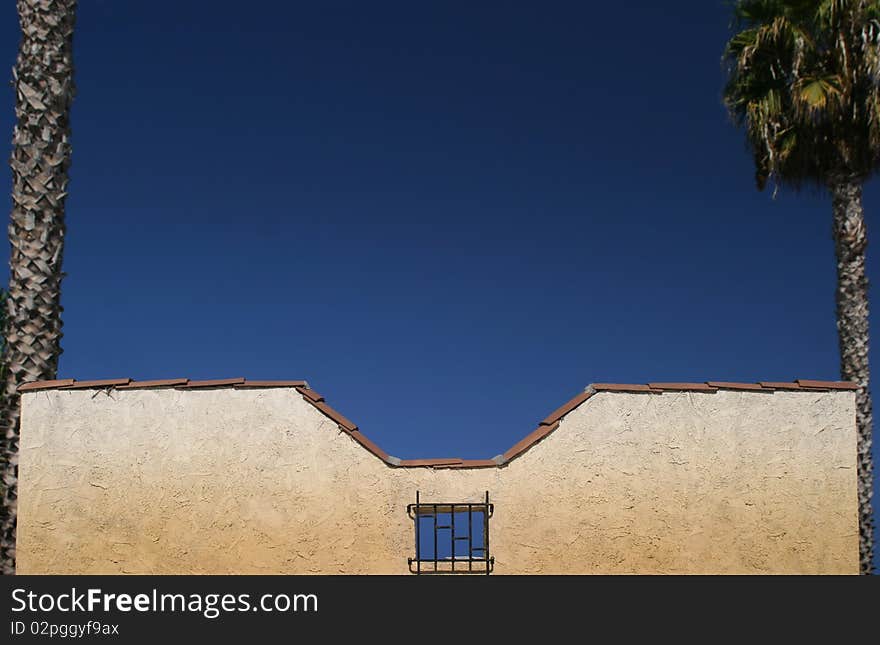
[(450, 217)]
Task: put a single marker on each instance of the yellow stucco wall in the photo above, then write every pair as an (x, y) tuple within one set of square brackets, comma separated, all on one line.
[(259, 481)]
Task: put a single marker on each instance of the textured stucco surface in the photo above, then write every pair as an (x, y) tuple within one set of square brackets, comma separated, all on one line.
[(259, 481)]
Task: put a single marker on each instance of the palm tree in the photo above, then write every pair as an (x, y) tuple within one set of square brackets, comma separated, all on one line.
[(804, 82), (43, 79)]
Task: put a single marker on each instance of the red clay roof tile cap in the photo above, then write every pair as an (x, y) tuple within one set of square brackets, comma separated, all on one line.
[(248, 383), (338, 417), (683, 387), (215, 383), (564, 409), (167, 382), (828, 385), (472, 463), (86, 385), (727, 385), (774, 385), (45, 385), (311, 394), (369, 445), (620, 387), (531, 439), (430, 462)]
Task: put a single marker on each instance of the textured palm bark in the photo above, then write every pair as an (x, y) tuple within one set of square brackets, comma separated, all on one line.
[(43, 79), (850, 240)]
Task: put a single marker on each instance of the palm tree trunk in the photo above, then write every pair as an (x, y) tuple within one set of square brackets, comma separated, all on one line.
[(43, 79), (850, 241)]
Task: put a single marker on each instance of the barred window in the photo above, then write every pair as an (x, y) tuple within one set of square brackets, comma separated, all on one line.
[(451, 537)]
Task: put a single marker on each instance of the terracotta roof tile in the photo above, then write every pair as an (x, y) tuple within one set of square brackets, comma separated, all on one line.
[(524, 444), (472, 463), (248, 383), (369, 445), (45, 385), (828, 385), (682, 387), (780, 386), (412, 463), (561, 411), (215, 383), (85, 385), (140, 385), (621, 387), (311, 394), (725, 385), (338, 417)]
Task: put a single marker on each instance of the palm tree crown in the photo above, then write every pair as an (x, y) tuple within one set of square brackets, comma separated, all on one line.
[(805, 83)]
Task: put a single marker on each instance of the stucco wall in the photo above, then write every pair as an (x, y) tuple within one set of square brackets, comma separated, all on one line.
[(259, 481)]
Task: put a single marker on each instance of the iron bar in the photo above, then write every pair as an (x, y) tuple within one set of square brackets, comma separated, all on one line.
[(452, 539), (486, 532), (470, 538), (418, 543)]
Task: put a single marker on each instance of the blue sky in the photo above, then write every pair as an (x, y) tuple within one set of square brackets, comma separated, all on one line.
[(450, 217)]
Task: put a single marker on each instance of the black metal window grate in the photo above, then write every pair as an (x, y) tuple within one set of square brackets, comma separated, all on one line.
[(449, 534)]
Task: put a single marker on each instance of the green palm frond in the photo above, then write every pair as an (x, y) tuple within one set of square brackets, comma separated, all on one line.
[(815, 97)]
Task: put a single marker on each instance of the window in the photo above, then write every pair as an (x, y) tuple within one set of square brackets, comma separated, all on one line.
[(451, 537)]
